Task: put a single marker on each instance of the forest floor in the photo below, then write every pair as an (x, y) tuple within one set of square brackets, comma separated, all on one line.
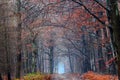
[(86, 76), (73, 76), (66, 77)]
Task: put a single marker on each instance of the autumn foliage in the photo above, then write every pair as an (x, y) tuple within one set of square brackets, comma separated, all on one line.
[(74, 76), (36, 76), (94, 76)]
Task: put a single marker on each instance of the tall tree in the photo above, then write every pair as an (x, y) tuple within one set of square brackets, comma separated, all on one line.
[(115, 26), (19, 41)]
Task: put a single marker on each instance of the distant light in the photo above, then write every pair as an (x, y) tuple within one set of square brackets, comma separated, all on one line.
[(61, 69)]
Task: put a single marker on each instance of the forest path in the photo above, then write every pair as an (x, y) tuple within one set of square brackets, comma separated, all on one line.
[(87, 76), (66, 77)]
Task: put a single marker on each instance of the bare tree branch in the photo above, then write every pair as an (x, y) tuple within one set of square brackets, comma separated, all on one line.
[(80, 3)]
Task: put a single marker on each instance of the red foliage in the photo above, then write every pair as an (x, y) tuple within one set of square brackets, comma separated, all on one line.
[(75, 76), (94, 76), (48, 77)]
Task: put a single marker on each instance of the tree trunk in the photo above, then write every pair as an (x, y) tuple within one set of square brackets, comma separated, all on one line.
[(115, 23), (19, 54), (51, 60), (0, 76), (9, 75), (70, 61)]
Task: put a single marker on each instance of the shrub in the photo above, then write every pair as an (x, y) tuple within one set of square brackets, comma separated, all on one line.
[(33, 76)]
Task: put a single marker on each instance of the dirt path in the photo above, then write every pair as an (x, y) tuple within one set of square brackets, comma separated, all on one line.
[(66, 77)]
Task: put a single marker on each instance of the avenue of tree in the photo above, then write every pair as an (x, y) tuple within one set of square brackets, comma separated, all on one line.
[(37, 34)]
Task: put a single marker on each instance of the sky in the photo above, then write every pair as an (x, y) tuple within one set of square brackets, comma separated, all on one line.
[(61, 68)]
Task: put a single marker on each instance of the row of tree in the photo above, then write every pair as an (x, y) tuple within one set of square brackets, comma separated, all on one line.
[(37, 35)]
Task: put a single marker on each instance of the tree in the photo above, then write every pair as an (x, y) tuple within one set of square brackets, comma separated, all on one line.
[(115, 25), (113, 15), (48, 10), (8, 39), (80, 30), (0, 76), (19, 44)]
